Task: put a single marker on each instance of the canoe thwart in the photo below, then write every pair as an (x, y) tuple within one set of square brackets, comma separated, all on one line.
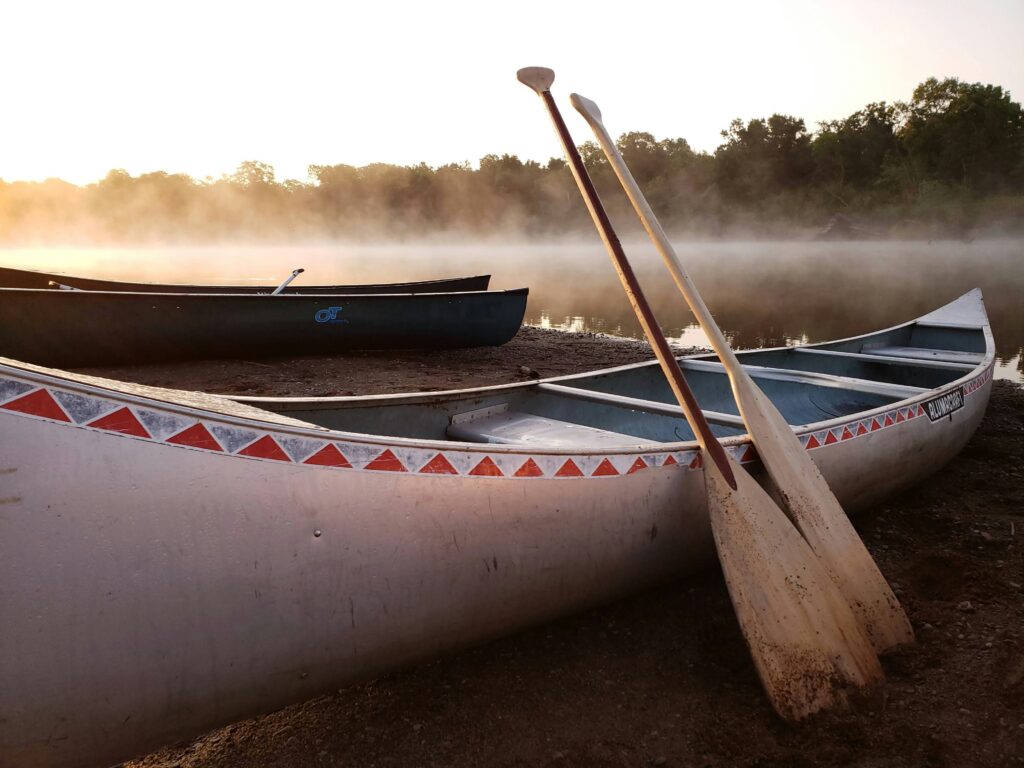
[(874, 357), (971, 359), (851, 383), (638, 404), (950, 326)]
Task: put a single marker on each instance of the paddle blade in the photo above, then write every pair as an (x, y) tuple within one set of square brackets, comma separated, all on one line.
[(814, 509), (808, 647), (538, 78), (586, 107)]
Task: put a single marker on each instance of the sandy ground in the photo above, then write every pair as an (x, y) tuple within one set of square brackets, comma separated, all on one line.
[(534, 352), (664, 679)]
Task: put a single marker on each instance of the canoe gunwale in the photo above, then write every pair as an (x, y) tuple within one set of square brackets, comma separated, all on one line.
[(121, 286), (281, 297)]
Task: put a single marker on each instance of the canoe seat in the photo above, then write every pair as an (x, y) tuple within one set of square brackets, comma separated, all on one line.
[(925, 353), (504, 427)]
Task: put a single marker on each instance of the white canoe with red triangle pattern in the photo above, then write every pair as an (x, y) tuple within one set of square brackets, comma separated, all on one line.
[(171, 561)]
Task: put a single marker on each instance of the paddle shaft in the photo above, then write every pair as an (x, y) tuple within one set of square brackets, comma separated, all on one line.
[(641, 307), (682, 280), (295, 273)]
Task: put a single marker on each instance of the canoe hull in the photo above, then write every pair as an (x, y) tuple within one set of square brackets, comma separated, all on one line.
[(175, 588), (74, 329)]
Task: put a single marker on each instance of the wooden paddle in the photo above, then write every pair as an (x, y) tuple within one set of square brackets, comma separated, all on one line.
[(798, 482), (806, 644)]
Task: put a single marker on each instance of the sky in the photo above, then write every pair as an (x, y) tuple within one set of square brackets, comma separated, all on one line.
[(199, 87)]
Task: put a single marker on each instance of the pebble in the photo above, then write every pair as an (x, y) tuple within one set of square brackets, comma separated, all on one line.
[(659, 761), (965, 606)]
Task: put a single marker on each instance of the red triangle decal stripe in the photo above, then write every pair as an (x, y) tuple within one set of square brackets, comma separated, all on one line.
[(697, 462), (123, 421), (387, 462), (38, 403), (888, 420), (439, 465), (328, 456), (830, 438), (750, 454), (569, 469), (875, 425), (265, 448), (637, 466), (530, 468), (605, 469), (670, 461), (900, 417), (196, 436), (847, 434), (812, 442), (861, 429), (487, 468)]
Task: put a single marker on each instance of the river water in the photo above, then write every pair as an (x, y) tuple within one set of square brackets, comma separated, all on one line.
[(762, 293)]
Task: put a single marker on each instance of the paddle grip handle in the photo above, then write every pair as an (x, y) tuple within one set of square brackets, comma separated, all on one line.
[(644, 313)]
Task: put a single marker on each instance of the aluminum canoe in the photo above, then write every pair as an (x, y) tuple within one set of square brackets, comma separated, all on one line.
[(11, 277), (172, 561)]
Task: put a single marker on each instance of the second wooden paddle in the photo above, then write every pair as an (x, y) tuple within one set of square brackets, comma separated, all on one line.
[(800, 485)]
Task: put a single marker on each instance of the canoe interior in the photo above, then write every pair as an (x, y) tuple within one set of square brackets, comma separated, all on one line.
[(809, 385), (26, 278)]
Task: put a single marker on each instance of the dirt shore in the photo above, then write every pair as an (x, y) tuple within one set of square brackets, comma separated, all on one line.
[(664, 679), (534, 352)]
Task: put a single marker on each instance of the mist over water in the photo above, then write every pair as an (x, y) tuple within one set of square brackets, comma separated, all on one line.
[(762, 293)]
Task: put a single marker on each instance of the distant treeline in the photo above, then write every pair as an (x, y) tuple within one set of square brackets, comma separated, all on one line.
[(948, 162)]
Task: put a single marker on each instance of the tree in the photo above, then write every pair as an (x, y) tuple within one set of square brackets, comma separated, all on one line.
[(967, 134), (764, 157), (853, 151), (253, 173)]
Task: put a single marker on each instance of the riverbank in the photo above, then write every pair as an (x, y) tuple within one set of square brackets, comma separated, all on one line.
[(533, 353), (664, 678)]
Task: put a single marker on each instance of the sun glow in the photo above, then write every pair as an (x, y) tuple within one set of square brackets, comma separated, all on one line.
[(198, 87)]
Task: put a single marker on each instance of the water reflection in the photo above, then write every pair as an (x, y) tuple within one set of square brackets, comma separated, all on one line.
[(762, 294), (786, 293)]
